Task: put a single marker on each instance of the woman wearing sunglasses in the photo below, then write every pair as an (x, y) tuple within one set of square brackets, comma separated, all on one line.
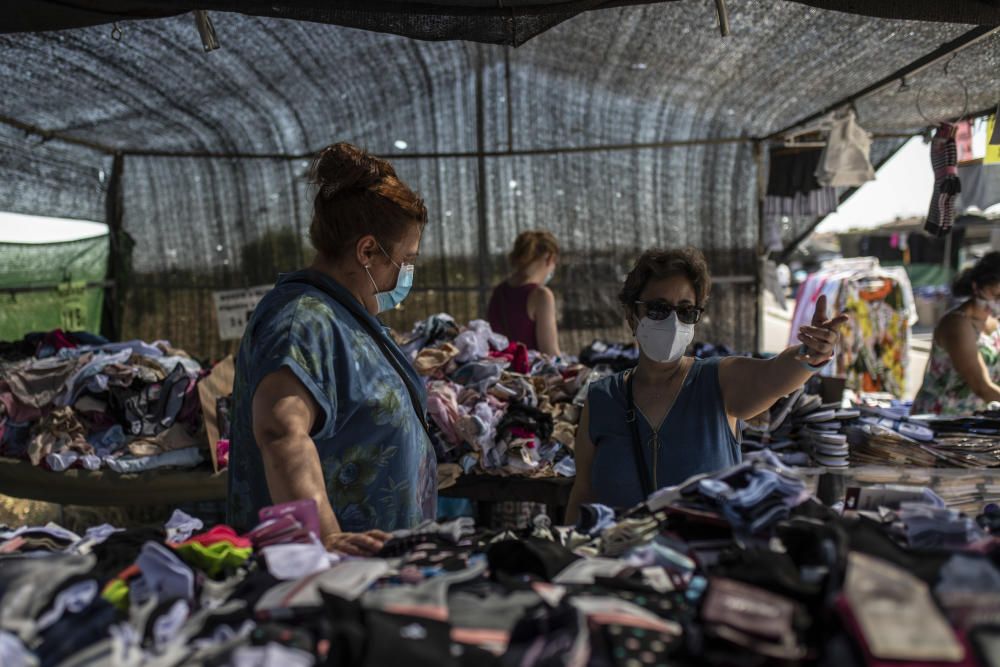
[(672, 416)]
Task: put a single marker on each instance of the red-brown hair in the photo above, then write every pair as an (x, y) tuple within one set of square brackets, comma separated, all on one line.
[(359, 194)]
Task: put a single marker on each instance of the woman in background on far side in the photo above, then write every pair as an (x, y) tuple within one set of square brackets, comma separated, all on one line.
[(964, 365), (522, 307)]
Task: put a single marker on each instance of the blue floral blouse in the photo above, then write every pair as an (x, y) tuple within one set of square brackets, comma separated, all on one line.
[(377, 460)]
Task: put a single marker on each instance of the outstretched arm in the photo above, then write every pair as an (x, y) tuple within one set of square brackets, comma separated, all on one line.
[(750, 386)]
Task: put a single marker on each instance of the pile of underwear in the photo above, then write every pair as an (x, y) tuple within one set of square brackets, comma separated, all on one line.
[(742, 568), (77, 400), (496, 407), (620, 356)]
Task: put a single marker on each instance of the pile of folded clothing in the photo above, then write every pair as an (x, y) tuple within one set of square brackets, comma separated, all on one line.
[(79, 401), (740, 567), (615, 356), (801, 430), (886, 435), (703, 350), (495, 406), (623, 356), (966, 442)]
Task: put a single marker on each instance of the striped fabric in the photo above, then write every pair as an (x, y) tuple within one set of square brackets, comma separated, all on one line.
[(944, 160)]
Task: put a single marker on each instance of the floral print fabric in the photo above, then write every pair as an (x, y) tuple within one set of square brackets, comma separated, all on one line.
[(944, 392), (377, 460)]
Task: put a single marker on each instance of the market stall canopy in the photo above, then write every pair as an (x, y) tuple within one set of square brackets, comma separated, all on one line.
[(513, 22), (618, 130)]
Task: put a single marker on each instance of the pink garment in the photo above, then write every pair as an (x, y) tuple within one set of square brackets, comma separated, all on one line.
[(442, 404), (963, 140), (15, 409), (222, 453), (220, 533)]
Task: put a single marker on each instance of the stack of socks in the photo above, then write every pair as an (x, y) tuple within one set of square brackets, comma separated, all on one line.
[(801, 430)]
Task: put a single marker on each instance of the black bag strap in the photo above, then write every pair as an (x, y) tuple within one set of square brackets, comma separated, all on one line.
[(375, 334), (640, 459)]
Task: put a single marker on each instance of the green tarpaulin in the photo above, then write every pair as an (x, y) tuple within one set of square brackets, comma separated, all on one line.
[(45, 286)]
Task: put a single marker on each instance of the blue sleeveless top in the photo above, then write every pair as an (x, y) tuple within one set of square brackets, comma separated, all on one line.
[(694, 437)]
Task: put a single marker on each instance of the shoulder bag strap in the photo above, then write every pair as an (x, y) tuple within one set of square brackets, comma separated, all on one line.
[(640, 458), (378, 337)]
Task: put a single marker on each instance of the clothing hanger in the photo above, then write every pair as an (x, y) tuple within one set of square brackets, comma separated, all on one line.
[(965, 90), (789, 143), (819, 127)]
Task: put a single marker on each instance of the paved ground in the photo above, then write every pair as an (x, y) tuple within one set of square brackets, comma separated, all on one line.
[(777, 324)]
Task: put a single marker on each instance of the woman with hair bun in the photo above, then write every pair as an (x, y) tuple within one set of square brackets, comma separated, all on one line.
[(964, 365), (326, 406), (522, 307)]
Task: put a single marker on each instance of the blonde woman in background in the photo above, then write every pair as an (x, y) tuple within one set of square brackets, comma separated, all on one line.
[(522, 307)]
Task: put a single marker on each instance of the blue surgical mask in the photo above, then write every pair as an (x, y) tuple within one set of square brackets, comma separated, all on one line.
[(548, 278), (394, 297)]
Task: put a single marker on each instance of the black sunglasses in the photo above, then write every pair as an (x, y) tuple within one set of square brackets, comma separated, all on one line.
[(658, 309)]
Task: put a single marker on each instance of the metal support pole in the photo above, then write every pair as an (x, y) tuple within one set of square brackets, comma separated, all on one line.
[(115, 293), (758, 158), (485, 271)]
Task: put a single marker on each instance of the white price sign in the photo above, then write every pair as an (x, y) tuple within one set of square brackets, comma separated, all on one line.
[(234, 307)]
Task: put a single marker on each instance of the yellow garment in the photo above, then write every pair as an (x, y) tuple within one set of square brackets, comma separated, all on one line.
[(116, 592), (214, 560), (992, 150)]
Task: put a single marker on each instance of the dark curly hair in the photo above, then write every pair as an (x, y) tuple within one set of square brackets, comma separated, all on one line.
[(662, 263), (985, 272)]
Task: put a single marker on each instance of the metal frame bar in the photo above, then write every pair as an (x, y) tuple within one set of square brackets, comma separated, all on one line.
[(944, 51), (53, 135), (458, 154), (737, 279)]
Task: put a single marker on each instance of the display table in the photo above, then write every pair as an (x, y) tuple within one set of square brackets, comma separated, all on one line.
[(964, 489), (20, 479), (553, 492)]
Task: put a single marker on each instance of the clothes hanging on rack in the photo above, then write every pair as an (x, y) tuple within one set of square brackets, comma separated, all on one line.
[(792, 171), (944, 160), (802, 205), (963, 141), (980, 185), (875, 340), (845, 161)]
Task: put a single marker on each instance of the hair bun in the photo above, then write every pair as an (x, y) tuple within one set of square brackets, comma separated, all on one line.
[(342, 168)]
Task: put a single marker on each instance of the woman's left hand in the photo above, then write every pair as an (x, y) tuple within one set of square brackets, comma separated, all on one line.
[(820, 338)]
